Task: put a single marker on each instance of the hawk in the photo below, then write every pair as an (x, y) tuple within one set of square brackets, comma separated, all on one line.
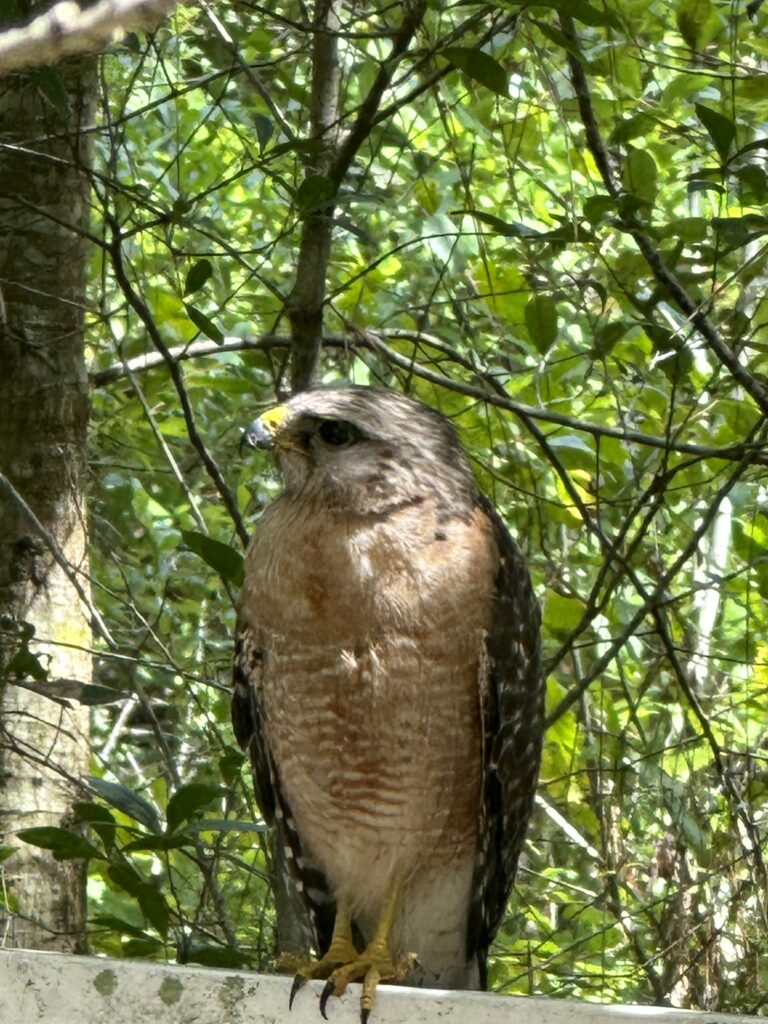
[(388, 689)]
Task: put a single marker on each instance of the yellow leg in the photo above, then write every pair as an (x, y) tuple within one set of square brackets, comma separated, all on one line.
[(342, 950), (373, 965)]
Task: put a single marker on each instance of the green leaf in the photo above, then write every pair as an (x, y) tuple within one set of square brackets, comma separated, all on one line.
[(152, 904), (223, 559), (691, 17), (181, 207), (561, 614), (204, 323), (187, 801), (94, 814), (599, 208), (117, 924), (215, 956), (197, 275), (721, 129), (101, 821), (541, 321), (480, 67), (6, 852), (92, 695), (630, 128), (509, 228), (704, 185), (640, 174), (606, 337), (144, 948), (574, 449), (673, 357), (126, 878), (222, 825), (155, 909), (304, 147), (560, 39), (26, 665), (9, 900), (757, 144), (264, 129), (63, 844), (160, 844), (687, 229), (125, 800), (578, 9), (230, 765), (589, 15), (315, 192), (740, 230), (754, 184)]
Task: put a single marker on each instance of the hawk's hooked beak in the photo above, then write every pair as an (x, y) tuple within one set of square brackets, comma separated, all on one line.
[(263, 432)]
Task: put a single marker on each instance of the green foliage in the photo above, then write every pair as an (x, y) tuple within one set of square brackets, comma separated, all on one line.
[(480, 67), (476, 236), (65, 845), (227, 562), (147, 867)]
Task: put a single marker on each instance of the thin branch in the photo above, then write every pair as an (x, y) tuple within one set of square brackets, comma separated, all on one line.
[(687, 684), (656, 597), (665, 277), (141, 309), (305, 303), (66, 30), (166, 450), (520, 409), (97, 623), (413, 15), (373, 341), (250, 73), (195, 350)]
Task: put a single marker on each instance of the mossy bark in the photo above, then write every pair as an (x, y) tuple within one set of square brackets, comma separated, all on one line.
[(44, 744)]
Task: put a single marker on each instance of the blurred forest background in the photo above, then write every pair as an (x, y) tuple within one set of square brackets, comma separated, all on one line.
[(547, 220)]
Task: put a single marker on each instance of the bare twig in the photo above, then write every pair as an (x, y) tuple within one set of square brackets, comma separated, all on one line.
[(165, 449)]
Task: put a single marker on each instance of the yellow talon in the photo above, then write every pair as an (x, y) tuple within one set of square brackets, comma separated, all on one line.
[(343, 963), (373, 965), (370, 967), (342, 950)]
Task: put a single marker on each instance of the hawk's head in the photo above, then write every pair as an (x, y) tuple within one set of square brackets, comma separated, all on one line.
[(364, 449)]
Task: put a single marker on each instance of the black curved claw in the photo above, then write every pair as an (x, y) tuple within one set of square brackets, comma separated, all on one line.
[(298, 982), (325, 995), (365, 1013)]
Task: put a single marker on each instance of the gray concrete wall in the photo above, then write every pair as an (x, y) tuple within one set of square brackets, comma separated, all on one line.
[(58, 989)]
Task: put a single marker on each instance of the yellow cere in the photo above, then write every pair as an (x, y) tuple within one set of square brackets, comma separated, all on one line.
[(273, 418)]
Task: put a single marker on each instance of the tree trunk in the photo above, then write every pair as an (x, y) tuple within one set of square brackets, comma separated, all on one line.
[(44, 744)]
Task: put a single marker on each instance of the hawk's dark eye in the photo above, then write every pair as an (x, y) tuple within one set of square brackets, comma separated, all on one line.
[(338, 432)]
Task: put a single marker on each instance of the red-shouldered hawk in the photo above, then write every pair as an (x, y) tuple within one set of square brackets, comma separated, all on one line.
[(388, 689)]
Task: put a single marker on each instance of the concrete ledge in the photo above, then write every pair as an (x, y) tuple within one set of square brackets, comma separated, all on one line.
[(61, 989)]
